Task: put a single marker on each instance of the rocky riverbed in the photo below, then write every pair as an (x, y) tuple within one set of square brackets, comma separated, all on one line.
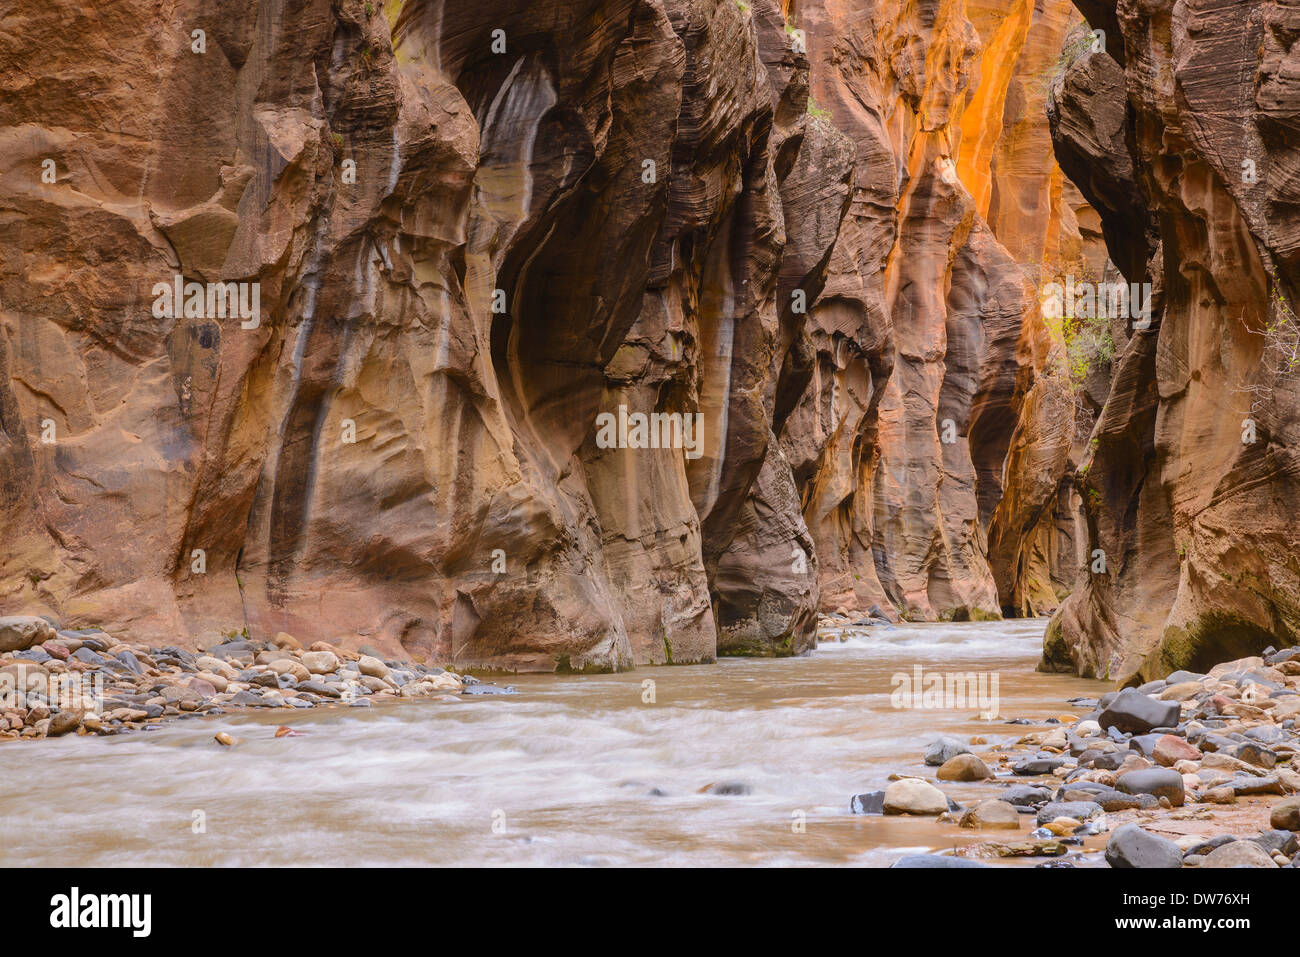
[(55, 682), (1194, 770)]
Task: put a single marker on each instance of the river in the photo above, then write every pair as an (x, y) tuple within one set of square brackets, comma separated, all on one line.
[(574, 770)]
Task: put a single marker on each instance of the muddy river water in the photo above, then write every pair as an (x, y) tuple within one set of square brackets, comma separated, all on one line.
[(571, 771)]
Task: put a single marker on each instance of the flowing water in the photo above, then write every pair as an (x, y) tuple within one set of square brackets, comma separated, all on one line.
[(572, 771)]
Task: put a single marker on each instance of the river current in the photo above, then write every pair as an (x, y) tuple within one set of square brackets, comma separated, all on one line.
[(574, 770)]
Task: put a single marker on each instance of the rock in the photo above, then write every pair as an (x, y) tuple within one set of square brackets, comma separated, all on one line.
[(963, 767), (729, 788), (1170, 749), (870, 802), (1135, 713), (1025, 796), (1035, 766), (934, 861), (991, 814), (1277, 841), (130, 662), (20, 632), (1158, 782), (1285, 815), (914, 796), (1254, 753), (944, 749), (1247, 785), (199, 686), (320, 688), (1079, 811), (286, 641), (1130, 846), (225, 739), (231, 649), (1219, 795), (373, 667), (1239, 854), (320, 662), (63, 723), (218, 682), (247, 699), (294, 669)]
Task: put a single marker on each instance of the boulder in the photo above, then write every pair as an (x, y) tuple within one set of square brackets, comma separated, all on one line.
[(914, 796), (992, 814), (1158, 782), (1285, 815), (20, 632), (1169, 749), (1239, 854), (1134, 713), (1130, 846), (963, 767), (320, 662), (943, 750)]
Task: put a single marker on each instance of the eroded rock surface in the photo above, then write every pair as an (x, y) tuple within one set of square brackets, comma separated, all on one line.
[(932, 442), (474, 230), (1183, 137)]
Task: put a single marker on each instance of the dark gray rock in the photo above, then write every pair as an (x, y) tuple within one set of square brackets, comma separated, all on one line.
[(1135, 713), (870, 802), (1253, 752), (1144, 744), (943, 749), (1024, 796), (1131, 847), (1158, 782), (319, 688), (1283, 841), (1032, 766)]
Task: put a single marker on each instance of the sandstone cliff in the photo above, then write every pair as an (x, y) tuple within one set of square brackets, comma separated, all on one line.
[(475, 230), (933, 441), (1182, 134)]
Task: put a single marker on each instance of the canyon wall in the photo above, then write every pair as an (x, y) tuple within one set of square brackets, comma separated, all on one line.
[(933, 443), (1182, 133), (797, 233), (474, 228)]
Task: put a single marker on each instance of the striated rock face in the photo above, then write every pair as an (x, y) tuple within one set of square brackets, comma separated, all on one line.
[(1183, 135), (575, 334), (468, 245), (933, 440)]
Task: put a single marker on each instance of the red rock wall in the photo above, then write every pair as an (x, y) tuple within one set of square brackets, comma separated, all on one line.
[(404, 451), (1183, 136), (930, 313)]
